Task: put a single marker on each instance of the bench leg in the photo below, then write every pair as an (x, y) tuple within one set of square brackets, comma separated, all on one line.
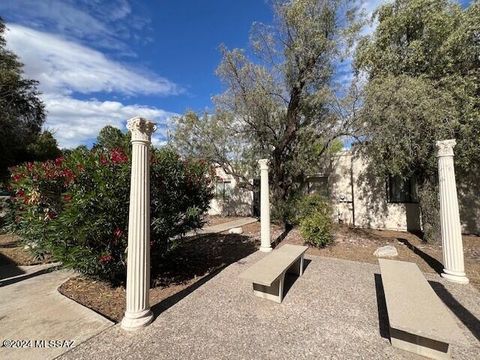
[(419, 345), (297, 268), (273, 292)]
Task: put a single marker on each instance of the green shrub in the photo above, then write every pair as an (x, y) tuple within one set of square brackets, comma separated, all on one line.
[(76, 208), (315, 220), (306, 205)]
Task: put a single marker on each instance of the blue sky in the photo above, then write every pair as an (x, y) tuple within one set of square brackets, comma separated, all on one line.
[(102, 62)]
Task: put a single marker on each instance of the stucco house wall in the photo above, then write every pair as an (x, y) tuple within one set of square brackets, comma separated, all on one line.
[(230, 199), (359, 198)]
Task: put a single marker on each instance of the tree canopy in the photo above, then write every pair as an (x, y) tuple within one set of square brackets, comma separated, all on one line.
[(22, 113), (111, 137), (279, 103), (422, 65)]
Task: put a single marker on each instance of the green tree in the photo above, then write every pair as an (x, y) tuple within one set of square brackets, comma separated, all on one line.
[(423, 68), (45, 147), (110, 138), (277, 105), (21, 110)]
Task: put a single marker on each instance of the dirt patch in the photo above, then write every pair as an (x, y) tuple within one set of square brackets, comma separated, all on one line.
[(198, 258), (212, 220), (191, 263), (359, 245), (12, 252)]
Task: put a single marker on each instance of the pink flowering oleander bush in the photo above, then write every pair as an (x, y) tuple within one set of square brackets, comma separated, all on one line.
[(76, 207)]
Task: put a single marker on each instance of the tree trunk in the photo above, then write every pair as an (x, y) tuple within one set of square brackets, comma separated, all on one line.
[(429, 209)]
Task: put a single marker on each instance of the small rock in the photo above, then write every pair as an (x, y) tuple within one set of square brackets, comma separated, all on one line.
[(386, 251), (237, 230)]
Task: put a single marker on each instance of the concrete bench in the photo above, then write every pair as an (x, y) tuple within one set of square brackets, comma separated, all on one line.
[(419, 320), (268, 274)]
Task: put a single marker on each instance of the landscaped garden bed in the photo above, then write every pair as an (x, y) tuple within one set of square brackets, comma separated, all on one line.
[(181, 272), (13, 252), (196, 259), (360, 244)]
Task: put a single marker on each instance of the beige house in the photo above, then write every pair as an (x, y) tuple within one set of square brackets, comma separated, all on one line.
[(229, 199), (359, 199), (365, 201)]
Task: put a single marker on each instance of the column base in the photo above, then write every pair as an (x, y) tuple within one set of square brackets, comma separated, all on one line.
[(457, 278), (135, 321), (265, 249)]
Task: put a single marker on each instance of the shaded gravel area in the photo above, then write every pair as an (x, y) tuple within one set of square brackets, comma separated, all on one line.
[(359, 245), (335, 311), (172, 278)]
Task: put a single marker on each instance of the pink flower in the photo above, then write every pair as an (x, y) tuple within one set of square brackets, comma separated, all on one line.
[(68, 175), (105, 259), (59, 161), (17, 177), (103, 160), (118, 156), (118, 233), (49, 215)]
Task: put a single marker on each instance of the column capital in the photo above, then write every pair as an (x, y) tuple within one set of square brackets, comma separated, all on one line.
[(263, 164), (445, 147), (141, 129)]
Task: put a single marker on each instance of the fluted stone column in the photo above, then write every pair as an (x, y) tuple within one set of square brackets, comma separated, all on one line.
[(138, 312), (454, 269), (265, 245)]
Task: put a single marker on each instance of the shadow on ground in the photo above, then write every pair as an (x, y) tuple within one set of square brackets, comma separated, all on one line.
[(202, 257), (291, 278), (8, 268), (462, 313), (383, 324), (280, 238), (431, 261), (12, 279)]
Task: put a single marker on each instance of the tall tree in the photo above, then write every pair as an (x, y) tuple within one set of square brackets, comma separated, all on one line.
[(45, 147), (110, 138), (423, 69), (21, 110), (277, 105)]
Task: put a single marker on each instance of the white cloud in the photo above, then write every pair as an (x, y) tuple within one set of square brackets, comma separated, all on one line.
[(77, 122), (369, 7), (343, 69), (63, 66), (83, 20)]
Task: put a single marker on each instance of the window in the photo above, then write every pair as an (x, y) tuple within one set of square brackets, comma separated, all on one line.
[(317, 185), (402, 190), (223, 189)]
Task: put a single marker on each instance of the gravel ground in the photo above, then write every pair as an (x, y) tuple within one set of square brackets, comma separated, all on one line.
[(332, 312)]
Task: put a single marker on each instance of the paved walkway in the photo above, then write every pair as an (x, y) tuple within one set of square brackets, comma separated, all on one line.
[(219, 228), (11, 273), (31, 308), (335, 311)]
